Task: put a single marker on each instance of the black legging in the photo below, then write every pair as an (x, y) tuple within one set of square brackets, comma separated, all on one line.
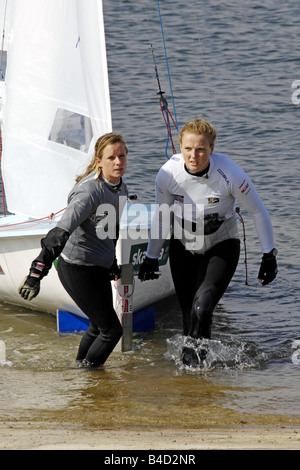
[(90, 288), (200, 281)]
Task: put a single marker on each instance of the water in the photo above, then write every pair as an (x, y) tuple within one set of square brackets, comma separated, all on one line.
[(251, 55)]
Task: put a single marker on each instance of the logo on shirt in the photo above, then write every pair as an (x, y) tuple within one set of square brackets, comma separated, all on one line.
[(245, 187), (96, 218), (224, 176), (178, 198), (213, 200)]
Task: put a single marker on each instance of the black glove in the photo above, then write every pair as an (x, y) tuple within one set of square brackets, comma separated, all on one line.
[(148, 269), (114, 271), (52, 246), (268, 268), (30, 287)]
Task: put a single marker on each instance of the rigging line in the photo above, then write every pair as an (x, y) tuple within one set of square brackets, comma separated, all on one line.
[(167, 62), (124, 298), (204, 66), (162, 100), (167, 115), (153, 56), (239, 215), (31, 221)]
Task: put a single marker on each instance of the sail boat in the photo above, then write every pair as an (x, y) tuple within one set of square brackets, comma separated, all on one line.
[(56, 104)]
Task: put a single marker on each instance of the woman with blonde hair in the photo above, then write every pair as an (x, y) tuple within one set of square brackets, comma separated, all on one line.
[(84, 241), (202, 187)]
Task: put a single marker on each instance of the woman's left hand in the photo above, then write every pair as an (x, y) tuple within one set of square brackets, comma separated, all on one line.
[(115, 271), (268, 269)]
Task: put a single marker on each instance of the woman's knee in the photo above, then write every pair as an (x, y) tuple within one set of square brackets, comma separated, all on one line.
[(201, 316), (113, 334)]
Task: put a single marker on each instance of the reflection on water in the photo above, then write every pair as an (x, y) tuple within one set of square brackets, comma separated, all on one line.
[(146, 387)]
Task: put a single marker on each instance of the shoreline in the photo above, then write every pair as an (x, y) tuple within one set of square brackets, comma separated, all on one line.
[(28, 435)]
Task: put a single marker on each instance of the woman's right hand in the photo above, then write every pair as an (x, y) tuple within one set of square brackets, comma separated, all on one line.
[(30, 287), (149, 269)]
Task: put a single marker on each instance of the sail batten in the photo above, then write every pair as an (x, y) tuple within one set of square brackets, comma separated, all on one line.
[(56, 100)]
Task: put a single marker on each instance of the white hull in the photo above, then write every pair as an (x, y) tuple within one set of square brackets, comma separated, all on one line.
[(49, 134), (20, 244)]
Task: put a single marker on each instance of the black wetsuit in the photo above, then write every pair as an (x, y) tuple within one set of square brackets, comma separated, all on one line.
[(200, 280), (90, 288), (86, 259)]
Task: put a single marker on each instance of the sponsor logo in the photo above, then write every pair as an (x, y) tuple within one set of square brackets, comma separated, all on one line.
[(223, 175), (138, 253), (178, 198), (213, 200), (245, 187)]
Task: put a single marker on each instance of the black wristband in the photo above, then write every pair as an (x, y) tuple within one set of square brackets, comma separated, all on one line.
[(272, 254)]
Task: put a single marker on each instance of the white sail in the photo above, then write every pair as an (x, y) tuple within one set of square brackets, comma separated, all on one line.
[(56, 99)]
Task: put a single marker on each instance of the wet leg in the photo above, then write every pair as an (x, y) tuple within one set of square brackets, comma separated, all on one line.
[(214, 276), (90, 288)]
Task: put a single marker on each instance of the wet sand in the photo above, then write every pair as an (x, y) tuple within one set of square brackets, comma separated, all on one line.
[(42, 436)]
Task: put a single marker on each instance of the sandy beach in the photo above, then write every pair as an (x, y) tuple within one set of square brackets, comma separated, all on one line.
[(39, 436)]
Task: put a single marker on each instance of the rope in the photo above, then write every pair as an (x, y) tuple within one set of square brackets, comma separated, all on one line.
[(167, 62), (167, 116), (35, 222), (124, 298), (237, 210), (203, 65), (39, 221)]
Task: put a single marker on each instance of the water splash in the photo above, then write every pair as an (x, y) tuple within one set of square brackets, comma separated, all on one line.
[(204, 354), (296, 352)]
